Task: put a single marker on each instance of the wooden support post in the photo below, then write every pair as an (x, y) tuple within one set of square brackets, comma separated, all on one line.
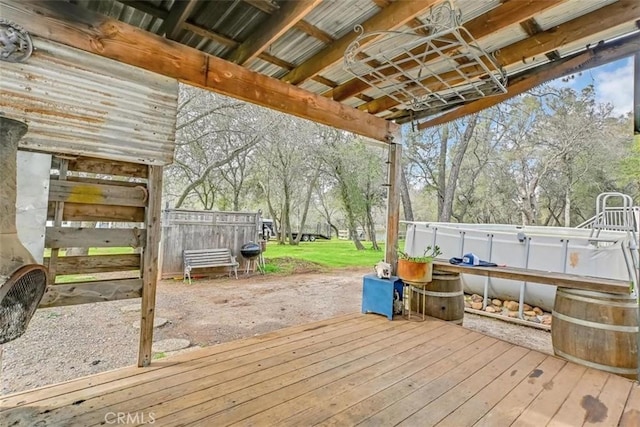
[(393, 203), (150, 264), (636, 143), (57, 222)]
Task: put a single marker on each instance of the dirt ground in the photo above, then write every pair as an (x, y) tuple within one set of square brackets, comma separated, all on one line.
[(70, 342)]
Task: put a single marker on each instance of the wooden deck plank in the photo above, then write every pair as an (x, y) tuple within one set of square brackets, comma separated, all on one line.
[(549, 400), (360, 369), (176, 380), (325, 367), (478, 405), (412, 410), (274, 414), (450, 400), (631, 413), (612, 398), (416, 385), (446, 358), (299, 332), (508, 409), (573, 408)]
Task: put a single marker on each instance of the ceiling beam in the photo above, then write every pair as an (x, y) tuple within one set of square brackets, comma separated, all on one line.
[(178, 15), (508, 13), (592, 58), (76, 27), (621, 12), (277, 24), (396, 15)]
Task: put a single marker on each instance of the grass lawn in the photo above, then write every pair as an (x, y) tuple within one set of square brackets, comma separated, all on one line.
[(327, 253)]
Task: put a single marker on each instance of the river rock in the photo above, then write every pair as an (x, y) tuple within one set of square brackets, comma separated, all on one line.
[(546, 319), (527, 307), (476, 305), (512, 306), (476, 298), (490, 309), (530, 313), (512, 314), (538, 311), (467, 304), (496, 302)]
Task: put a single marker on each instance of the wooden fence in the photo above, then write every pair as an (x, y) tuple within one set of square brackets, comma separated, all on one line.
[(187, 229)]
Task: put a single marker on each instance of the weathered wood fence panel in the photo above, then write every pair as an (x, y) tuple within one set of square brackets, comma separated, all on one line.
[(187, 229)]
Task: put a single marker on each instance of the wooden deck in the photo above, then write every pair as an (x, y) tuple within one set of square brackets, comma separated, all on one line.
[(356, 369)]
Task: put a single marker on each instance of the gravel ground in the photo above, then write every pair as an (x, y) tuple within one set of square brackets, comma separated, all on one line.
[(69, 342)]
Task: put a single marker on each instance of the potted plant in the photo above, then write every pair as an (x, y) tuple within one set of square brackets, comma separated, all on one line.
[(417, 268)]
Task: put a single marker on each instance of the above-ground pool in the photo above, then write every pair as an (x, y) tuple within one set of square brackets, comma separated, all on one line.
[(553, 249)]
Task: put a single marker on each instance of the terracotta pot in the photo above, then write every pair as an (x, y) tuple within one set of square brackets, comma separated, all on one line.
[(412, 271)]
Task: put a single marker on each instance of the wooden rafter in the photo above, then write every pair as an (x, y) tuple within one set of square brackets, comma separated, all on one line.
[(506, 14), (177, 16), (278, 24), (618, 13), (390, 18), (71, 25), (596, 57)]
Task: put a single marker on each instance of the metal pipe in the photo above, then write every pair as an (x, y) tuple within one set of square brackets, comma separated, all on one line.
[(524, 284)]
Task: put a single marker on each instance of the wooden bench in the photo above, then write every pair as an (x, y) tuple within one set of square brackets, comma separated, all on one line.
[(208, 258)]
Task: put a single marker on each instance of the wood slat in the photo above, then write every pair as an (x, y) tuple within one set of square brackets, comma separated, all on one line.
[(87, 292), (78, 237), (82, 212), (583, 402), (108, 167), (210, 373), (231, 349), (98, 194), (96, 263), (631, 413), (571, 281)]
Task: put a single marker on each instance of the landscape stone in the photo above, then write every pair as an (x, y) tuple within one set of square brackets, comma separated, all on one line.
[(490, 309), (476, 298), (526, 307), (467, 304), (512, 314), (171, 344), (476, 305), (538, 311), (157, 322), (496, 302), (512, 306), (546, 319), (530, 313)]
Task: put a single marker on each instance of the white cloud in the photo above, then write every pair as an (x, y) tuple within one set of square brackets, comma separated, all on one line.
[(616, 87)]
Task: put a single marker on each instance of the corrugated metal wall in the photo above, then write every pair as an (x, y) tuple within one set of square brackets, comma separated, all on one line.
[(82, 104), (185, 229)]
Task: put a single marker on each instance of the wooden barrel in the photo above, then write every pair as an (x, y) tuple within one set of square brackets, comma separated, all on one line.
[(597, 330), (444, 297)]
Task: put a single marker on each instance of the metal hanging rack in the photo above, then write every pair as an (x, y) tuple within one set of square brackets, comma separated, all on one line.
[(436, 64)]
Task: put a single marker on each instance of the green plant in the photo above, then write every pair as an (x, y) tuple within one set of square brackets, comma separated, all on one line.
[(430, 253), (159, 355)]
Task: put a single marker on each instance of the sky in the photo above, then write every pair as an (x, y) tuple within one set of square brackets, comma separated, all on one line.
[(613, 83)]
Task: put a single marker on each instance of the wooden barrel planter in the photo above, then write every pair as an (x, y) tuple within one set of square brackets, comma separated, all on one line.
[(597, 330), (444, 297)]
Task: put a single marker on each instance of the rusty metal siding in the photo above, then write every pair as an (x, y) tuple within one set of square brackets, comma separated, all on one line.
[(78, 103)]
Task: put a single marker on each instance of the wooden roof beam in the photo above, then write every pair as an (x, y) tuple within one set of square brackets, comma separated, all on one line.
[(504, 15), (595, 57), (610, 16), (278, 24), (395, 16), (177, 16), (76, 27)]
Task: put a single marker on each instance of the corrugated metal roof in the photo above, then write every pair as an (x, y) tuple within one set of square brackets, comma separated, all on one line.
[(338, 17), (295, 47), (567, 11), (79, 103)]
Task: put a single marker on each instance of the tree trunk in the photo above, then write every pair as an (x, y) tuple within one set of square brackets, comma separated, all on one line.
[(307, 202), (405, 196), (447, 205)]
